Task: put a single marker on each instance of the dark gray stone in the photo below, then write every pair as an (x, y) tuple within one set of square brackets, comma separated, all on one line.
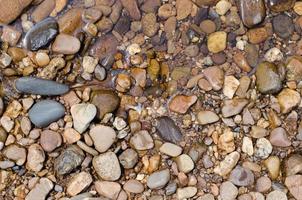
[(32, 85), (283, 26), (45, 112), (168, 130), (70, 158), (41, 34)]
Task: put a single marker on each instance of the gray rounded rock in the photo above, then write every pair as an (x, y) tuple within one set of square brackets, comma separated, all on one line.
[(32, 85), (45, 112), (158, 179), (41, 34), (241, 176)]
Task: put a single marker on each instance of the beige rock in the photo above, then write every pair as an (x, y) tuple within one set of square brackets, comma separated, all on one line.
[(215, 76), (170, 149), (222, 7), (35, 158), (247, 146), (273, 166), (41, 190), (231, 84), (298, 7), (184, 163), (78, 183), (217, 41), (229, 162), (233, 106), (43, 10), (71, 136), (294, 184), (288, 99), (207, 117), (103, 137), (11, 9), (108, 189), (226, 141), (66, 44), (183, 9)]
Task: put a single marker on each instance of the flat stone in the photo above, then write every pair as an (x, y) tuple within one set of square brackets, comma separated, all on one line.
[(228, 191), (170, 149), (158, 179), (66, 44), (41, 34), (11, 9), (268, 80), (78, 183), (10, 35), (50, 140), (251, 12), (294, 68), (230, 86), (294, 184), (71, 136), (104, 47), (215, 76), (107, 166), (70, 158), (142, 140), (182, 103), (45, 112), (241, 176), (108, 189), (134, 186), (168, 130), (38, 86), (207, 117), (233, 107), (43, 10), (217, 41), (293, 164), (257, 35), (278, 137), (128, 158), (288, 99), (149, 24), (103, 137), (186, 192), (184, 163), (247, 146), (82, 115), (229, 162), (99, 97), (280, 5), (70, 21), (16, 153), (183, 9), (263, 184), (41, 190)]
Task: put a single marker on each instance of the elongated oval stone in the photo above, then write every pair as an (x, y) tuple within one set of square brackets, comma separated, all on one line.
[(168, 130), (252, 12), (45, 112), (32, 85), (41, 34)]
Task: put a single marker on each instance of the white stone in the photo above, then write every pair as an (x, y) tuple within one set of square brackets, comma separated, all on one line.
[(247, 146), (276, 195), (41, 190), (231, 84), (89, 64), (133, 49), (263, 148), (207, 117), (7, 123), (186, 192), (273, 54), (82, 115), (184, 163), (223, 6), (227, 164)]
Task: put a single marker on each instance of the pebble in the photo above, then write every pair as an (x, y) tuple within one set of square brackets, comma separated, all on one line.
[(293, 164), (280, 5), (128, 158), (168, 130), (183, 9), (170, 149), (50, 140), (222, 7), (247, 146), (149, 24), (71, 136), (274, 54), (294, 68), (186, 192), (229, 162), (207, 117), (41, 189), (43, 10), (276, 195), (38, 86), (42, 59), (283, 26), (78, 183), (70, 21), (103, 137), (215, 76), (82, 115), (107, 166), (217, 41), (251, 12), (11, 9), (45, 112), (273, 166), (69, 159), (40, 34), (66, 44), (233, 107), (257, 35), (132, 8), (208, 26), (288, 99), (184, 163), (142, 140), (158, 179), (241, 176), (294, 185), (268, 80), (263, 148), (228, 191), (231, 84), (278, 137), (108, 189), (35, 158), (134, 186), (10, 35), (263, 184), (16, 153), (166, 10), (99, 97), (298, 8), (182, 103), (207, 197)]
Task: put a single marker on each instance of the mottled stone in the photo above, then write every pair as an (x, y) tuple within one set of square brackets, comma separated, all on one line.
[(268, 80), (107, 166), (251, 12)]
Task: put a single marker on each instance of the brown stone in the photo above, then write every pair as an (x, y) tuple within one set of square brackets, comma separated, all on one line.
[(70, 21), (257, 35), (11, 9), (252, 12), (182, 103), (43, 10)]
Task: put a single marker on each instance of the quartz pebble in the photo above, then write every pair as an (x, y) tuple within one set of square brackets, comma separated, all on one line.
[(186, 192), (107, 166), (82, 115), (35, 158), (227, 164), (184, 163)]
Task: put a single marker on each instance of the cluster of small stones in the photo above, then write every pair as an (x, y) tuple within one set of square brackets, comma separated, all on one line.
[(150, 99)]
